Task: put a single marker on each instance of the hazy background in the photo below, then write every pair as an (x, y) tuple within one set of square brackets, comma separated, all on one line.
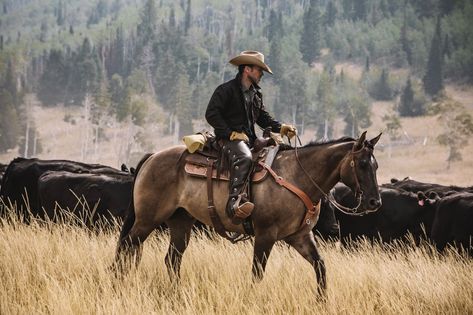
[(105, 81)]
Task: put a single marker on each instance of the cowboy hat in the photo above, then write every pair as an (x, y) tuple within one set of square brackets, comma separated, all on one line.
[(251, 57)]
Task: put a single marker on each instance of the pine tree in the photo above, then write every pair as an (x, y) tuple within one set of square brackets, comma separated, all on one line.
[(404, 40), (406, 105), (433, 79), (330, 14), (381, 89), (272, 27), (309, 44), (360, 9), (51, 89), (60, 18), (148, 26), (348, 9), (188, 18)]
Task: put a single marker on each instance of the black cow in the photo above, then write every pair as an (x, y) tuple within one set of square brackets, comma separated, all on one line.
[(415, 186), (401, 212), (22, 175), (453, 222), (88, 196), (3, 168)]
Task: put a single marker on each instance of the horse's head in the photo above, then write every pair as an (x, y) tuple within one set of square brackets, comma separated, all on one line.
[(358, 171)]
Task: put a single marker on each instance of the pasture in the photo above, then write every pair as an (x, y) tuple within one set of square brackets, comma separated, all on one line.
[(63, 269)]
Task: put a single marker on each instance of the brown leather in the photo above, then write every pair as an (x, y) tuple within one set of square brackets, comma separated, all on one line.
[(216, 222), (197, 165), (261, 143), (201, 171), (242, 210), (312, 212)]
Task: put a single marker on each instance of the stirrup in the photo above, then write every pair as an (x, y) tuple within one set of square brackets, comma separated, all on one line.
[(241, 211), (236, 237)]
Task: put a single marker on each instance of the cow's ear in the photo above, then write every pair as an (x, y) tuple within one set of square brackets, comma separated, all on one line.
[(421, 198), (434, 196), (375, 140), (360, 142)]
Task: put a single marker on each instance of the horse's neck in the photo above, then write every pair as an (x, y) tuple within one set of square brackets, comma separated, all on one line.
[(322, 162)]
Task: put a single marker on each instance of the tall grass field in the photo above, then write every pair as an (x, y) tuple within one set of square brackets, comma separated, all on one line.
[(48, 268)]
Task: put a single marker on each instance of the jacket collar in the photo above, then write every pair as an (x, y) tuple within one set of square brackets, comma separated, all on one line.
[(238, 79)]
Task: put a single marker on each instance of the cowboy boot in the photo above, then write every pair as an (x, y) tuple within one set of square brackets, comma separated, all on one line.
[(238, 205)]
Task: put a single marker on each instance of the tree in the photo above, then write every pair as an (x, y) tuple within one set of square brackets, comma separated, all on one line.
[(406, 105), (9, 122), (457, 126), (310, 44), (433, 79), (188, 18), (52, 83), (84, 76), (381, 89), (393, 125), (356, 115), (330, 14), (148, 26), (292, 97), (29, 144), (360, 9), (182, 104), (60, 15)]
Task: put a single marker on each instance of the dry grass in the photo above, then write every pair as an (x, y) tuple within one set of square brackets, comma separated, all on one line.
[(62, 269)]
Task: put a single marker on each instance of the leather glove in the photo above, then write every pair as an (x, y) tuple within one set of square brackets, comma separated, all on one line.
[(239, 136), (288, 130), (276, 137)]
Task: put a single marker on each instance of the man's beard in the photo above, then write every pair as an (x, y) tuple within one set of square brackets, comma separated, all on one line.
[(253, 80)]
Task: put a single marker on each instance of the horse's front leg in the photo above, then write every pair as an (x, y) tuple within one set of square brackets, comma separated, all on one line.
[(264, 242), (304, 244)]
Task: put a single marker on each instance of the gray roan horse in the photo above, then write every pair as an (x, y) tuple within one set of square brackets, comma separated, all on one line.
[(164, 193)]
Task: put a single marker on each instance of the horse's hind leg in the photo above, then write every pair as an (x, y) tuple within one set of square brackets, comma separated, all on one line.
[(305, 245), (130, 244), (180, 226)]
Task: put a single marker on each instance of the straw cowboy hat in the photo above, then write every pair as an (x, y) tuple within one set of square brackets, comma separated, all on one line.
[(251, 57)]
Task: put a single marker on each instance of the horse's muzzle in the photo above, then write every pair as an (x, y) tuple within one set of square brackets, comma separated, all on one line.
[(374, 204)]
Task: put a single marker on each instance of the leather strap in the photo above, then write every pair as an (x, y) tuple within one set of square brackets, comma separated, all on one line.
[(216, 222), (313, 210)]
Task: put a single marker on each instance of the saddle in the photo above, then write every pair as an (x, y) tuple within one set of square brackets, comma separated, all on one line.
[(264, 150)]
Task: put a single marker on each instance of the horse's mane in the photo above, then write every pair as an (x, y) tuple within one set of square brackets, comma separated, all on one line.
[(314, 143)]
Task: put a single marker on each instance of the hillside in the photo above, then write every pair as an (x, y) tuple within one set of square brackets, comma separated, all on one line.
[(423, 159)]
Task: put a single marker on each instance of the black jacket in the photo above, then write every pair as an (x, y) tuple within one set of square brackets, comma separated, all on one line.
[(226, 111)]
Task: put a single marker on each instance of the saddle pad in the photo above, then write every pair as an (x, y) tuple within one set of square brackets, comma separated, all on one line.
[(201, 171)]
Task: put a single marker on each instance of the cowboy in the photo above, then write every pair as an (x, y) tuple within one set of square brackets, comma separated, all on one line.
[(233, 110)]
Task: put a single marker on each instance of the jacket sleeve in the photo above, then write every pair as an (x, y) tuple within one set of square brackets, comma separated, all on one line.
[(266, 120), (214, 112)]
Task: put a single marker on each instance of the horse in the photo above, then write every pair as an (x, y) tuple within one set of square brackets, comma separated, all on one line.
[(163, 192)]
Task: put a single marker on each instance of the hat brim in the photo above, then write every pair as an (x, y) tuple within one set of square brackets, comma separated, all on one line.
[(250, 60)]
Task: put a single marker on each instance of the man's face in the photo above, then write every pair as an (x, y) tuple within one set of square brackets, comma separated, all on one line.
[(254, 74)]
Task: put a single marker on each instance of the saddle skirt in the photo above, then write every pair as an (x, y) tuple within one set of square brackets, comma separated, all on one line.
[(198, 162)]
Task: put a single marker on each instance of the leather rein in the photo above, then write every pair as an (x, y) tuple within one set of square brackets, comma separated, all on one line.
[(329, 197)]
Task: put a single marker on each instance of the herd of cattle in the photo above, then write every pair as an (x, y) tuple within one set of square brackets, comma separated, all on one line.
[(94, 192)]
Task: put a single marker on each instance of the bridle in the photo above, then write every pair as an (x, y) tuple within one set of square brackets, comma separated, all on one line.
[(329, 197)]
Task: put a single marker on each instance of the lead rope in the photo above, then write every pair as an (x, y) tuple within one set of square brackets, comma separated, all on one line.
[(329, 197)]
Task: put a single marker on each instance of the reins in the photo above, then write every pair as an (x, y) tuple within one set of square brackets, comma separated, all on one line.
[(329, 197)]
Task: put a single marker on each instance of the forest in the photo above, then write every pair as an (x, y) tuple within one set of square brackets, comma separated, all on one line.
[(141, 63)]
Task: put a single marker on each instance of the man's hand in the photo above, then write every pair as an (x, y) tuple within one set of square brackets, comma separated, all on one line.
[(239, 136), (288, 130)]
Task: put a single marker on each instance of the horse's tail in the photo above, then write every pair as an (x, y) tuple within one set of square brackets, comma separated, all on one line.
[(130, 217)]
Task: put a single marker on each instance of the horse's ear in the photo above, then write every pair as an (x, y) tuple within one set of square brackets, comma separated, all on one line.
[(375, 140), (360, 142)]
